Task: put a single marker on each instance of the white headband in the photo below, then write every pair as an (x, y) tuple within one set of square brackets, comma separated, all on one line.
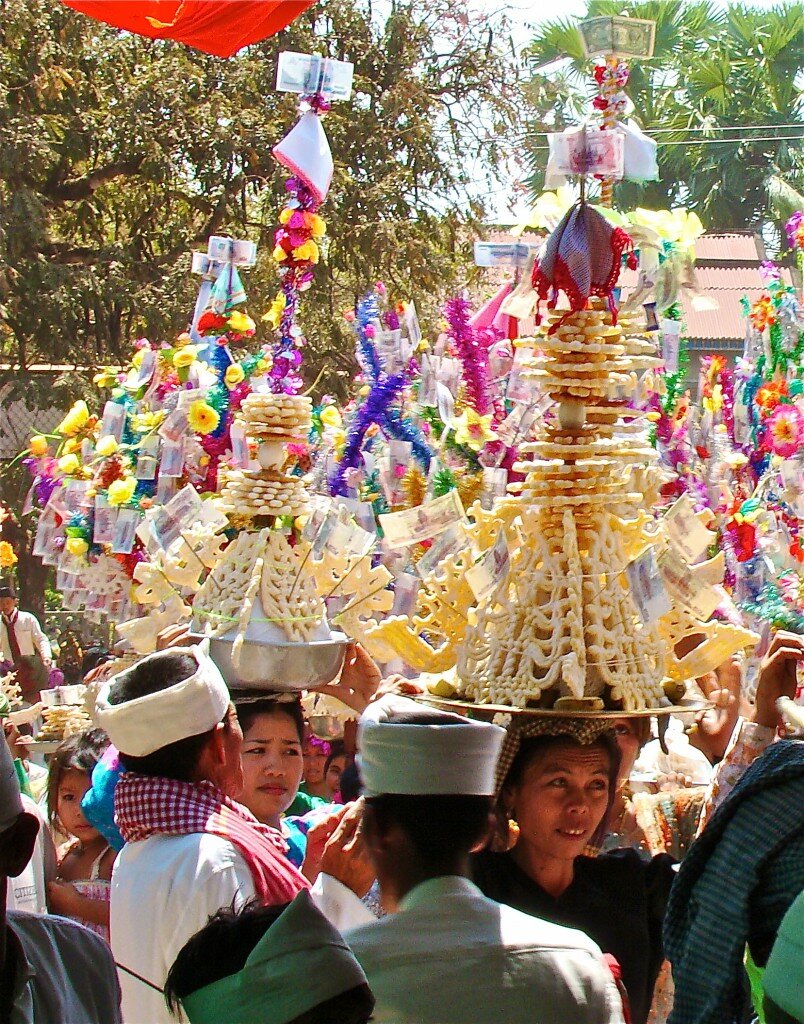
[(194, 706), (425, 760)]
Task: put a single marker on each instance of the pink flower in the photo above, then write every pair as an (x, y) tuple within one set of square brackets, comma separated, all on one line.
[(785, 430)]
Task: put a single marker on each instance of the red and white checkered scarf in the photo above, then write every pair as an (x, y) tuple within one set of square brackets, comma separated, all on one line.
[(146, 806)]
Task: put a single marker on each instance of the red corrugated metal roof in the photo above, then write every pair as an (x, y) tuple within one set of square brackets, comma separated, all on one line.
[(727, 267), (732, 246), (725, 285)]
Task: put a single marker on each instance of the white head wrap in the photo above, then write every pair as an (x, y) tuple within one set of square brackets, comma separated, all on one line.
[(425, 760), (300, 962), (188, 708), (10, 800)]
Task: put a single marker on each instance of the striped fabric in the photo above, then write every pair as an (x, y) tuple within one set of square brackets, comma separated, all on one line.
[(736, 883), (146, 806)]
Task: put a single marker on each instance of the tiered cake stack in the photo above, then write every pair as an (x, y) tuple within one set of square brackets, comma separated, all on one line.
[(567, 629), (273, 422)]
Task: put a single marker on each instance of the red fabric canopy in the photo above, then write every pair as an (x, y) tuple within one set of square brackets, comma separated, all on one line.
[(220, 27)]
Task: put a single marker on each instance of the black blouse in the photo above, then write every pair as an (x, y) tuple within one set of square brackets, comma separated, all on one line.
[(617, 899)]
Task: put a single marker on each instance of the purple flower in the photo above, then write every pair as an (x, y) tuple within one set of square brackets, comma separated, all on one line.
[(792, 226), (769, 271)]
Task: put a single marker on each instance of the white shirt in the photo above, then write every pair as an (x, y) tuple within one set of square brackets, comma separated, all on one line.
[(28, 890), (163, 890), (29, 636), (452, 956)]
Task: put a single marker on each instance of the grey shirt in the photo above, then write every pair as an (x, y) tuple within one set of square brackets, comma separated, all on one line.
[(65, 973)]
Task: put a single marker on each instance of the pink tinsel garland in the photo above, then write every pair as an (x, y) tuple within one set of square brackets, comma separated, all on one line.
[(473, 355)]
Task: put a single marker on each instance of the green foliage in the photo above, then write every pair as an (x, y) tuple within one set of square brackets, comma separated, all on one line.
[(715, 67), (119, 155)]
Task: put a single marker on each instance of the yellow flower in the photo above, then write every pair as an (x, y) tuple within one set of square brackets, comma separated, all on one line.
[(203, 419), (75, 420), (316, 225), (68, 464), (330, 417), (105, 379), (121, 491), (234, 374), (38, 446), (106, 446), (76, 546), (240, 323), (474, 431), (279, 254), (71, 445), (308, 251), (144, 421), (339, 440), (138, 357), (274, 314), (185, 356), (285, 216), (7, 555)]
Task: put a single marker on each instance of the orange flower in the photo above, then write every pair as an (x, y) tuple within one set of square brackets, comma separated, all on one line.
[(768, 396), (762, 313)]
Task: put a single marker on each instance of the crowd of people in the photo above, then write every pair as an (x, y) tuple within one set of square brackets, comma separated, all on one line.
[(202, 855)]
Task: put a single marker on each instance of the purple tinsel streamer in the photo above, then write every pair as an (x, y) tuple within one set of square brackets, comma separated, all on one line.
[(373, 410), (472, 354)]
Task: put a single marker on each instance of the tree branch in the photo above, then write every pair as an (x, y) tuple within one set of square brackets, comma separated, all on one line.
[(82, 188)]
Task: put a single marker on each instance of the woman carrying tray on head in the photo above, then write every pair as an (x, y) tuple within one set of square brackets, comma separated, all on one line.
[(557, 782)]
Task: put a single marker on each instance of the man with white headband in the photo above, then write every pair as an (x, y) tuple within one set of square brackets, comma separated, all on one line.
[(446, 953), (51, 969), (190, 848)]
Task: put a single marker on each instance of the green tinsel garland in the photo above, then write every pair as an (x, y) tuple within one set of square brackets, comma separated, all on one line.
[(770, 606), (443, 482), (675, 383), (430, 415)]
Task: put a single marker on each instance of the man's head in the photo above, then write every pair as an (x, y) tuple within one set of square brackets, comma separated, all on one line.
[(429, 781), (269, 965), (8, 598), (170, 715), (18, 829)]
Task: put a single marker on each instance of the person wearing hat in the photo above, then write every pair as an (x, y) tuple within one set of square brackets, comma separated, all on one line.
[(51, 969), (445, 953), (23, 645), (269, 965), (556, 785), (190, 847)]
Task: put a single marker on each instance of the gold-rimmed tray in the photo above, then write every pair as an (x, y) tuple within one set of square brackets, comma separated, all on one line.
[(447, 703)]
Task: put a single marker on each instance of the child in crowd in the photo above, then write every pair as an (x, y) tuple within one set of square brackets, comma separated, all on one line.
[(333, 769), (82, 886)]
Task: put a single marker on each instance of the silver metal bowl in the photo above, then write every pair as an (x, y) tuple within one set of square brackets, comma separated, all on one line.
[(278, 666), (326, 727)]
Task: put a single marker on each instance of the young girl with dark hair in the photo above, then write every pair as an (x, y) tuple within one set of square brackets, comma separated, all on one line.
[(82, 886)]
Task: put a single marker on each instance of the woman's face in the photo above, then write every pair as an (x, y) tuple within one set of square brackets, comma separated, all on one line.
[(272, 765), (628, 742), (561, 799), (314, 762)]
